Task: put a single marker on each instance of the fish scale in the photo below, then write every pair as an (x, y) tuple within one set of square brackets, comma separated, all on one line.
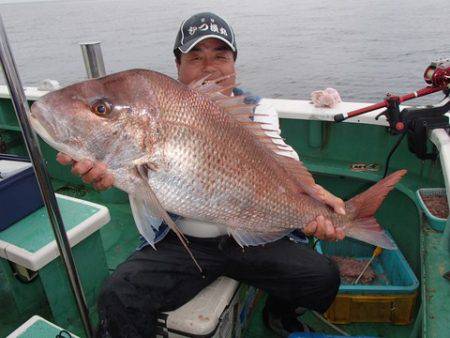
[(247, 181)]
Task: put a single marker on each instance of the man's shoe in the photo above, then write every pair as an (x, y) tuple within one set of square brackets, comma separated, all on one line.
[(285, 325)]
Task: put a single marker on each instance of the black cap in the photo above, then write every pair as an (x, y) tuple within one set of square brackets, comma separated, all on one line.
[(203, 26)]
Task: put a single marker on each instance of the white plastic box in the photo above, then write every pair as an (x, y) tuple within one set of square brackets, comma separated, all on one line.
[(221, 310)]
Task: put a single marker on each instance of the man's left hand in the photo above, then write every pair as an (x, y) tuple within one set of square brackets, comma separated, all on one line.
[(321, 227)]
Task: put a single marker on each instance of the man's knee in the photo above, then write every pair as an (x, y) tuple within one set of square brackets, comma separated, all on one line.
[(119, 292), (322, 273), (329, 283), (331, 275), (124, 311), (110, 291), (323, 285)]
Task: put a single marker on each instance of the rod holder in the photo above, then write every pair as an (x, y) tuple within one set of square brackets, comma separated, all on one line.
[(93, 59)]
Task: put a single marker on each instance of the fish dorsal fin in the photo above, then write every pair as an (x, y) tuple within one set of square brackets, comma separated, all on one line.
[(212, 88), (240, 111), (233, 105), (302, 177), (297, 168)]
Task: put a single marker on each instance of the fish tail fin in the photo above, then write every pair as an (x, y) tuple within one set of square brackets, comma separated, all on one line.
[(364, 226), (368, 230)]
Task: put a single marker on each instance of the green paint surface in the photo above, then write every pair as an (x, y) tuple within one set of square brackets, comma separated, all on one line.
[(35, 231), (435, 288)]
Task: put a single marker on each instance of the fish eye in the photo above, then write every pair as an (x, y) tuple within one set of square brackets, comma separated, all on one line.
[(101, 108)]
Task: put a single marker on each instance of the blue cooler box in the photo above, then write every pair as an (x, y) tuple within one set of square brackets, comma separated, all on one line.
[(19, 193)]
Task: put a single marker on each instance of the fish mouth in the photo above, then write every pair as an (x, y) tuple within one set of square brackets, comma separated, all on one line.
[(42, 132), (46, 134)]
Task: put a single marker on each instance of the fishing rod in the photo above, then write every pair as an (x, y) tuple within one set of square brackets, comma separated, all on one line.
[(415, 121), (437, 75), (22, 112)]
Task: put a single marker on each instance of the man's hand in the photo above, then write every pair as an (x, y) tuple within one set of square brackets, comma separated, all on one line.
[(321, 227), (95, 173)]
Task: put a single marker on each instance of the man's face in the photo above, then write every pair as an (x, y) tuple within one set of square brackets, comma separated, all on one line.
[(208, 57)]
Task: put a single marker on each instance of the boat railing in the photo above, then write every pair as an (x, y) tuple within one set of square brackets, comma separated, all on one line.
[(305, 110)]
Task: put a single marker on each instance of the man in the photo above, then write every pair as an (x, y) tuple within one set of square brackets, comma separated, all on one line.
[(150, 282)]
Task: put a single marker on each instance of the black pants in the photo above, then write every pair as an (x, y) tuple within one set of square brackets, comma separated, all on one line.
[(150, 281)]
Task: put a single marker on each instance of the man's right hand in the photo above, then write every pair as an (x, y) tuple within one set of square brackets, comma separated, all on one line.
[(90, 172)]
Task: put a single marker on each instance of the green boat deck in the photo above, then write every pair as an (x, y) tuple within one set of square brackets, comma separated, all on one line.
[(328, 150)]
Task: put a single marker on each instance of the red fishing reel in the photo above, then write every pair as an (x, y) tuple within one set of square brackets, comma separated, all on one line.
[(437, 73)]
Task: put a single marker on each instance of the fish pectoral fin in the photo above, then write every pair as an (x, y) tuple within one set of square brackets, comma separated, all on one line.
[(145, 218), (252, 238), (159, 211)]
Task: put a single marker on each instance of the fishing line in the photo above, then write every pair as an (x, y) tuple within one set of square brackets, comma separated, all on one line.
[(386, 166)]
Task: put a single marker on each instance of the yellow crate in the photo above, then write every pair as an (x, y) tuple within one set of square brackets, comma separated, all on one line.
[(350, 308)]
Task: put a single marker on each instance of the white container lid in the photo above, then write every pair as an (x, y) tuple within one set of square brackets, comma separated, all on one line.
[(11, 168), (201, 315)]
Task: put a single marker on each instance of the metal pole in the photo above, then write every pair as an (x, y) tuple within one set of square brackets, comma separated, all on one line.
[(22, 111), (93, 59)]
